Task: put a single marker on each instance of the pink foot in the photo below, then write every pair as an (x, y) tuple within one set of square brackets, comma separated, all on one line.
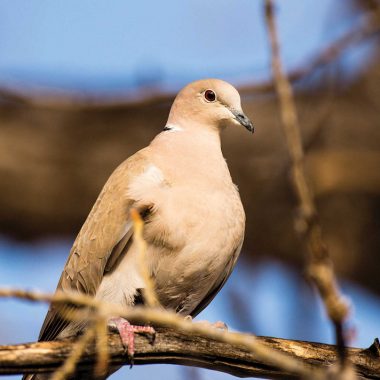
[(217, 325), (220, 325), (127, 331)]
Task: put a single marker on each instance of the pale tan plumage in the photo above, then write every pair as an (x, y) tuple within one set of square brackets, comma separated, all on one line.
[(194, 219)]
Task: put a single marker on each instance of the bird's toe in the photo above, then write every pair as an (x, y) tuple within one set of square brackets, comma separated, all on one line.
[(127, 334)]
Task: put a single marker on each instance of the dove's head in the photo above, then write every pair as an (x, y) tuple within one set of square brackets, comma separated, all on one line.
[(210, 102)]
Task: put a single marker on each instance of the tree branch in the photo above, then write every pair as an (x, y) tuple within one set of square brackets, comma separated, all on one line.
[(179, 347), (162, 318)]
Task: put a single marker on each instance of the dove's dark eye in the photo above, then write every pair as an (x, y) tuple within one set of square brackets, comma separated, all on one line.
[(210, 96)]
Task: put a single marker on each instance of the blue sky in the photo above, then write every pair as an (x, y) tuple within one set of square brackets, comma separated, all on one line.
[(114, 45)]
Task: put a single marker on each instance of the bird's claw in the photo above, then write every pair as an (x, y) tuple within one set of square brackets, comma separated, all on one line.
[(127, 331)]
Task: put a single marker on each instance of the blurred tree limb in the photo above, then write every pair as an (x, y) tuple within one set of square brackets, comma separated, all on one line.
[(344, 171), (320, 267), (172, 346)]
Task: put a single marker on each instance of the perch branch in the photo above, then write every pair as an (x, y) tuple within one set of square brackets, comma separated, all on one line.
[(182, 347), (160, 317), (77, 349), (320, 267)]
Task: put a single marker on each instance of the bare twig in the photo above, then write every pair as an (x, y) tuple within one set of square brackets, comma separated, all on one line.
[(101, 366), (149, 292), (320, 267), (368, 25), (78, 348)]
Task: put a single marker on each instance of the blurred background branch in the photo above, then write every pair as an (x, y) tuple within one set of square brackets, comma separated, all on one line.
[(320, 268)]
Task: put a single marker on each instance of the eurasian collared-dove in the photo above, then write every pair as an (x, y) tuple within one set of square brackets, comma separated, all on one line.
[(194, 219)]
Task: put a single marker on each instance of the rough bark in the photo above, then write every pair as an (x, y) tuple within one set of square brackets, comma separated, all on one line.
[(174, 347)]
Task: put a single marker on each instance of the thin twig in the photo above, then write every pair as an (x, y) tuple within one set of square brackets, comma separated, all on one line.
[(101, 366), (366, 26), (149, 292), (320, 267), (70, 363)]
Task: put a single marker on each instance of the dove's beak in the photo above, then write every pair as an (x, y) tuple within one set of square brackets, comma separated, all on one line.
[(243, 120)]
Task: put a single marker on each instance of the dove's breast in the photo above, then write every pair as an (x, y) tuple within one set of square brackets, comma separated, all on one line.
[(194, 239)]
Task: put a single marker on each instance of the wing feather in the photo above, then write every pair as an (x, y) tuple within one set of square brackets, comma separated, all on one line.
[(100, 243)]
